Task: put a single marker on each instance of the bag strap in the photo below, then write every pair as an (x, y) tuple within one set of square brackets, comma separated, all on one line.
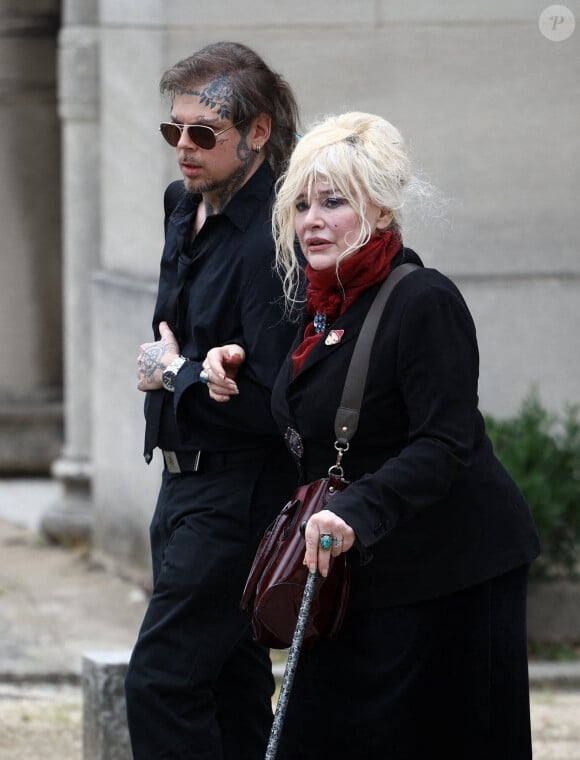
[(347, 415)]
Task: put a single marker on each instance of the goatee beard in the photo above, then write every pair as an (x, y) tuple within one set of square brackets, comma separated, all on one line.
[(197, 186), (226, 187)]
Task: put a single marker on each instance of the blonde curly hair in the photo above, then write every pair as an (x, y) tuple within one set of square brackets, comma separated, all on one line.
[(362, 157)]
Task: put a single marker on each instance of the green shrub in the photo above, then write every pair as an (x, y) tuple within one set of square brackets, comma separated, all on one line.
[(541, 451)]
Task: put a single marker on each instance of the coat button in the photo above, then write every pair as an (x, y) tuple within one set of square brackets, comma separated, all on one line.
[(381, 527)]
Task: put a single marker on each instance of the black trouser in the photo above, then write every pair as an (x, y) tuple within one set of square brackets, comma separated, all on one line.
[(198, 686)]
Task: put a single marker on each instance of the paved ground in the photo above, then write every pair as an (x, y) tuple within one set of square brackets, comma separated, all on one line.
[(56, 604)]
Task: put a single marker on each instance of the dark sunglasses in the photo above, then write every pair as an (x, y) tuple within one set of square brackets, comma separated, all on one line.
[(204, 137)]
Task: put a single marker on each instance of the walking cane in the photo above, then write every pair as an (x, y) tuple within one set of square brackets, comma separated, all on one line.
[(292, 662)]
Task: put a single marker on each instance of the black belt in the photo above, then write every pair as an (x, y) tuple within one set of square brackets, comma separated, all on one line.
[(208, 461)]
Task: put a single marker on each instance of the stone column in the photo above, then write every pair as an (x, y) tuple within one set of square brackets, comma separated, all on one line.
[(30, 246), (71, 520)]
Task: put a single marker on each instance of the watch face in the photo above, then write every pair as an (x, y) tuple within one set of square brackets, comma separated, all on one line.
[(170, 373), (168, 380)]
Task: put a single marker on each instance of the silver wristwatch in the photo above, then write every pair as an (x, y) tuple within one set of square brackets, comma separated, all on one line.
[(170, 373)]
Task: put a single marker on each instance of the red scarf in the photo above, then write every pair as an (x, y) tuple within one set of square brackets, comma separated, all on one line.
[(357, 272)]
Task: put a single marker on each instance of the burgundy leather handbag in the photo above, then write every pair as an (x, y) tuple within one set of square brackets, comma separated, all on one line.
[(276, 582), (277, 578)]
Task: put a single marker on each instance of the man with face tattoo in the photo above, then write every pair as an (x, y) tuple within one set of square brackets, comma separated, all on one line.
[(198, 686)]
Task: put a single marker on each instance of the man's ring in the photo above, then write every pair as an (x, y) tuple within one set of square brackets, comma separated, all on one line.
[(204, 376), (325, 541)]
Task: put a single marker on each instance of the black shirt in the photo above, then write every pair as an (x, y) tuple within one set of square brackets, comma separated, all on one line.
[(221, 288)]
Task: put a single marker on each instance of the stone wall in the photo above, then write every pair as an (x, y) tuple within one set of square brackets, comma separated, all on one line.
[(489, 107), (30, 240)]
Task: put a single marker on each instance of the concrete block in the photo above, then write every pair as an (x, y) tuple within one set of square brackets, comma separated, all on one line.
[(249, 14), (554, 612), (105, 732), (124, 487), (133, 180), (525, 334), (30, 436), (457, 12)]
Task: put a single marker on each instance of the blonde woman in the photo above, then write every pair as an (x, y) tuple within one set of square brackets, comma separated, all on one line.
[(431, 660)]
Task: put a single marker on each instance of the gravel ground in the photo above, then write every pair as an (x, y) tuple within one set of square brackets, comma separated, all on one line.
[(556, 725), (45, 723), (40, 723)]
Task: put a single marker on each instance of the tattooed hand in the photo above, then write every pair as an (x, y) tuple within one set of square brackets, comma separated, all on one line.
[(154, 358)]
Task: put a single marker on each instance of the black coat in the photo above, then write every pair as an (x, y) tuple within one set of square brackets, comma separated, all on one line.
[(433, 510)]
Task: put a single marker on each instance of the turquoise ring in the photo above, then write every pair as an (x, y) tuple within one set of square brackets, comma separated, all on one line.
[(325, 541)]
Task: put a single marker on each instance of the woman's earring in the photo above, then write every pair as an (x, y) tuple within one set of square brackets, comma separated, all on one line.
[(257, 148)]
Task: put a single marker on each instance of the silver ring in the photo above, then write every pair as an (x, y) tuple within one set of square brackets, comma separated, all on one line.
[(204, 376), (337, 541)]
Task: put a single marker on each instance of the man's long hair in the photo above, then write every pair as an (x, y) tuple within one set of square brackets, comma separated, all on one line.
[(255, 89)]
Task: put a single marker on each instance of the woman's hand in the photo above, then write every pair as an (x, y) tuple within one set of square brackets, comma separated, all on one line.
[(221, 365), (334, 531), (154, 358)]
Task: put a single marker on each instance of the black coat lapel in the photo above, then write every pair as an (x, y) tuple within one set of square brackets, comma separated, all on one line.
[(349, 323)]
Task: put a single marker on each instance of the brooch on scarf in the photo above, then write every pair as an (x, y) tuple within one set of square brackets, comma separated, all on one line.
[(333, 337), (319, 323)]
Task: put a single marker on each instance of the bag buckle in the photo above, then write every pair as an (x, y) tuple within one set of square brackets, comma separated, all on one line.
[(341, 448)]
